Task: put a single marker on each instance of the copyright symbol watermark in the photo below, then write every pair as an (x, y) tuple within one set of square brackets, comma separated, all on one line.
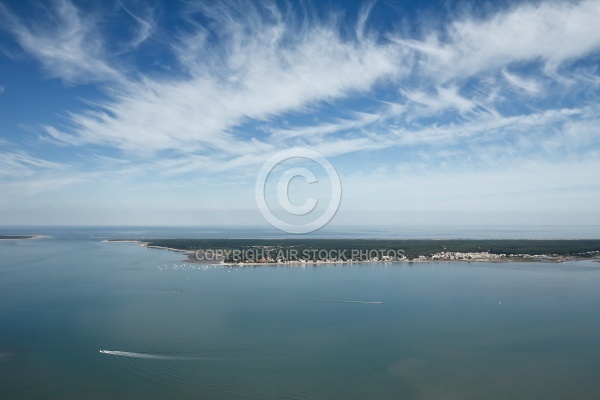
[(295, 210)]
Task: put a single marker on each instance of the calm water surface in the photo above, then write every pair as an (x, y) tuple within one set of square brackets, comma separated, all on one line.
[(444, 330)]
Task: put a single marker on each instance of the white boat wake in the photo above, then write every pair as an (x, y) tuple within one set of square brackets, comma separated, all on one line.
[(357, 301), (139, 355), (147, 356)]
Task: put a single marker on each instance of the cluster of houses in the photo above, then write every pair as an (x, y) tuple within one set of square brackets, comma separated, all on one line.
[(456, 255), (270, 260)]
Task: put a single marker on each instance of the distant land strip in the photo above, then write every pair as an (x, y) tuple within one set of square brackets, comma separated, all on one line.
[(365, 250), (14, 237)]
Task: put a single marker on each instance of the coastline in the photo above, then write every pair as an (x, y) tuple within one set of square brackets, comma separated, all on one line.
[(507, 260), (120, 241), (147, 245), (442, 257), (407, 261), (25, 237)]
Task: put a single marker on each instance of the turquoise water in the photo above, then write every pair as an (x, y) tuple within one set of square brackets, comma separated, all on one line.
[(444, 330)]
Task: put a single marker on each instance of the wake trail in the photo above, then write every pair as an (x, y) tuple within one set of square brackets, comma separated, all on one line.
[(160, 357), (355, 301), (139, 355)]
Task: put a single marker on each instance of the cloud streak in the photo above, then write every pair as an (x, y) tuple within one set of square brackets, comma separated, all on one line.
[(263, 68), (18, 164), (66, 43), (553, 33), (267, 65), (237, 81)]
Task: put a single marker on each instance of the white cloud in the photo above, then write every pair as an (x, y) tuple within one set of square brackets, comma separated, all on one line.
[(529, 85), (146, 25), (360, 120), (40, 184), (21, 164), (267, 64), (69, 48), (260, 70), (551, 32), (466, 94), (445, 98), (2, 88)]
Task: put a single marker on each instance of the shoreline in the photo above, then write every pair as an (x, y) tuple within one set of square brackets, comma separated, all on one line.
[(507, 260), (120, 241), (504, 259), (314, 263), (147, 245), (26, 237)]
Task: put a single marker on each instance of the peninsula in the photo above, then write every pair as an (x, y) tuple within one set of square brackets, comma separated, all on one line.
[(18, 237), (315, 251)]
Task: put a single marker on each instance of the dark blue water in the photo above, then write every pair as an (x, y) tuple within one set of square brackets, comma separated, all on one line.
[(444, 330)]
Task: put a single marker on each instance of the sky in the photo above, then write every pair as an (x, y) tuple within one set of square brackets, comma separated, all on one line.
[(163, 113)]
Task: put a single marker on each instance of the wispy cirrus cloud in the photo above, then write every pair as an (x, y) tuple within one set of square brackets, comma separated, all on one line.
[(480, 72), (19, 163), (551, 33), (146, 24), (64, 40), (263, 68), (41, 184), (528, 85), (268, 64), (243, 80)]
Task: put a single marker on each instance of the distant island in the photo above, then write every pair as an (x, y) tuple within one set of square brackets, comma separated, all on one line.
[(15, 237), (316, 251)]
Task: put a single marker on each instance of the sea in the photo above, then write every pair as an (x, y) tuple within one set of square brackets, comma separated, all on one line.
[(82, 318)]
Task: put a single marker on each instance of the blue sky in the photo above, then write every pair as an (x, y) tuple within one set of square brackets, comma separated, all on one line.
[(162, 113)]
